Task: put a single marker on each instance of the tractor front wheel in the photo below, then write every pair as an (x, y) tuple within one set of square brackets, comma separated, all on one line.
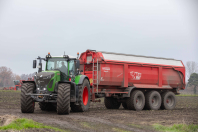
[(27, 103), (63, 99)]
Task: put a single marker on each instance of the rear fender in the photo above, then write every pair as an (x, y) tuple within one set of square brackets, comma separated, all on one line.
[(82, 78)]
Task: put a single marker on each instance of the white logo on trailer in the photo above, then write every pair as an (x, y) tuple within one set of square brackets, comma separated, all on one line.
[(135, 75), (106, 69)]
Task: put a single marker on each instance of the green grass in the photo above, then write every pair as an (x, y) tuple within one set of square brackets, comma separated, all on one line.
[(22, 123), (188, 95), (13, 91), (86, 125), (176, 128)]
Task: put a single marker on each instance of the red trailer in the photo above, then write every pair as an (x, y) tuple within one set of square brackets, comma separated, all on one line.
[(135, 81)]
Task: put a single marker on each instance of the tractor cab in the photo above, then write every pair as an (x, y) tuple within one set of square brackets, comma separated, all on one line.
[(58, 69)]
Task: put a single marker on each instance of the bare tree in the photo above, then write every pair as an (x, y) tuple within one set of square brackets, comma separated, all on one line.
[(5, 76), (191, 67)]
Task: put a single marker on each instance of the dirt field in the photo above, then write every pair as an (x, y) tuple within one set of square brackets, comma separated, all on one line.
[(98, 118)]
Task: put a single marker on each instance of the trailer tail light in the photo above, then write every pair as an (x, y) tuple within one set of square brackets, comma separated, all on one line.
[(89, 59)]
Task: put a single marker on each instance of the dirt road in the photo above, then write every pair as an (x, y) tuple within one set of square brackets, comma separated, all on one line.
[(98, 118)]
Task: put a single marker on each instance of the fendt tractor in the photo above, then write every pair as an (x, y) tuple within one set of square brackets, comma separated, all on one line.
[(58, 87), (136, 82)]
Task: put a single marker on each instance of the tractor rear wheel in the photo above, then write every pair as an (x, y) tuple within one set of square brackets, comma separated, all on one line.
[(84, 96), (46, 106), (153, 100), (27, 102), (63, 98), (168, 101), (111, 103), (136, 101), (124, 104)]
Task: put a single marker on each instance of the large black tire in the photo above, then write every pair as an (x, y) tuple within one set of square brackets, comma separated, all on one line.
[(84, 96), (124, 104), (27, 102), (46, 106), (153, 100), (111, 103), (136, 101), (168, 101), (63, 98)]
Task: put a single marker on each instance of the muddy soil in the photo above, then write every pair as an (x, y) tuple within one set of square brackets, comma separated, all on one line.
[(98, 118)]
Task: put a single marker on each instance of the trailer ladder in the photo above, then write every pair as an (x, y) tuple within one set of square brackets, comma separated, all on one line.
[(95, 80)]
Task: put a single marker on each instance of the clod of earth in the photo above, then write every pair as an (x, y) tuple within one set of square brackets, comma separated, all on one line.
[(7, 119)]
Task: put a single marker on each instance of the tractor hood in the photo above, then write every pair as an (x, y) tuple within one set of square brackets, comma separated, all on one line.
[(46, 75), (45, 79)]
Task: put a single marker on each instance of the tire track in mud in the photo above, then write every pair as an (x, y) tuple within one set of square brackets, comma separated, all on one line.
[(67, 121), (93, 119)]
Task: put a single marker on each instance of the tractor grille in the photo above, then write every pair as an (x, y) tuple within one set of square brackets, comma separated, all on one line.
[(43, 78)]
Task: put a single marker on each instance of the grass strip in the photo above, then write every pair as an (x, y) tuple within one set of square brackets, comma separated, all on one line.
[(191, 95), (12, 91), (22, 123), (176, 128)]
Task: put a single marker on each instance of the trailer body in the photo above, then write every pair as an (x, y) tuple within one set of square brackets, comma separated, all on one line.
[(115, 72)]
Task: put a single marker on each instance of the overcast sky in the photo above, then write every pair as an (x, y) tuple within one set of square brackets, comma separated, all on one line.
[(160, 28)]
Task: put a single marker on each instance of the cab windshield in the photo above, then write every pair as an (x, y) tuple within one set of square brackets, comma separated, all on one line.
[(57, 64)]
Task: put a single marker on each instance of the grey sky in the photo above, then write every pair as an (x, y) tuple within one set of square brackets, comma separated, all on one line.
[(161, 28)]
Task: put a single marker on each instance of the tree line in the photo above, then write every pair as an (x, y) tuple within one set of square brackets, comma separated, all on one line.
[(192, 75), (7, 77)]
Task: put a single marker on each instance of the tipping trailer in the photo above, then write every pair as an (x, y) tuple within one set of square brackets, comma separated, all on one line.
[(134, 81)]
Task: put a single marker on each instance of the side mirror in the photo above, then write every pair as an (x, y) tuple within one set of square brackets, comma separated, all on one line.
[(34, 63), (77, 64)]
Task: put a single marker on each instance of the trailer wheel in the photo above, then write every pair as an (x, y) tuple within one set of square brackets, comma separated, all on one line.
[(136, 101), (124, 104), (83, 98), (153, 100), (63, 98), (168, 101), (46, 106), (111, 103), (27, 103)]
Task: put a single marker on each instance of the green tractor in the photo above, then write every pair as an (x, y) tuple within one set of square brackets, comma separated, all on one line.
[(59, 87)]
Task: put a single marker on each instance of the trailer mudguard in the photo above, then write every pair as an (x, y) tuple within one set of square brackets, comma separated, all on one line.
[(128, 89)]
